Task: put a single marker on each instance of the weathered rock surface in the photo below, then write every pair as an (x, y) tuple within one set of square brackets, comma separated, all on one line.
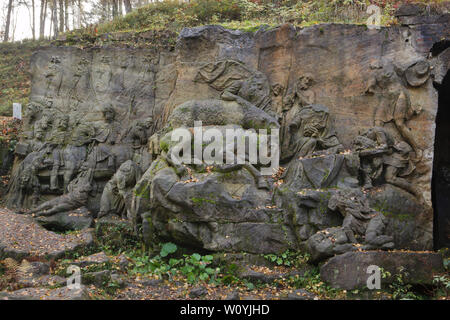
[(96, 259), (98, 278), (355, 107), (67, 221), (349, 270), (220, 212)]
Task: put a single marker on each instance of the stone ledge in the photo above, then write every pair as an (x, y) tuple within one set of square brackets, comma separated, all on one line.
[(349, 271)]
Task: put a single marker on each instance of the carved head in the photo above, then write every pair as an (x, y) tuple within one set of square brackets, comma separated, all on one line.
[(82, 134), (32, 111), (304, 82), (255, 88), (145, 123), (127, 175), (85, 188), (385, 79), (403, 148), (62, 122), (109, 114)]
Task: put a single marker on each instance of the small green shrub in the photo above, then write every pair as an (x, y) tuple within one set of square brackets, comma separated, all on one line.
[(194, 267), (443, 285), (288, 258)]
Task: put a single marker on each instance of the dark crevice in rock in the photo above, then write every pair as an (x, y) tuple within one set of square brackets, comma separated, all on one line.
[(441, 168), (439, 47)]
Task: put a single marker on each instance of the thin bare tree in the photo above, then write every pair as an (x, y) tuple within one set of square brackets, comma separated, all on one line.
[(42, 18), (128, 7), (8, 21)]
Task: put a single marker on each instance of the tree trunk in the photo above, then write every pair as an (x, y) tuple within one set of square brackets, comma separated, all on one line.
[(114, 8), (80, 14), (128, 7), (66, 15), (33, 20), (42, 18), (8, 21), (55, 19), (61, 15)]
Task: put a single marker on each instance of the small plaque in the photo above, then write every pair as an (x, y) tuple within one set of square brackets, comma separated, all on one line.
[(17, 111)]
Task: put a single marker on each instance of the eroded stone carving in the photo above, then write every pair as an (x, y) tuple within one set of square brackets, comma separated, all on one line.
[(319, 200), (238, 83), (394, 106), (77, 196), (310, 132), (362, 227), (118, 192), (381, 155)]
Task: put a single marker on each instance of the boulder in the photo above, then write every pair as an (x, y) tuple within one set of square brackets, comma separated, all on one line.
[(78, 219), (95, 259), (328, 242), (99, 278), (198, 292), (349, 270), (221, 212)]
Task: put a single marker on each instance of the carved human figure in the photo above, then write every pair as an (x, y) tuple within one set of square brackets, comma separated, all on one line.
[(74, 153), (359, 218), (399, 165), (300, 94), (138, 133), (379, 153), (57, 140), (118, 192), (372, 145), (106, 136), (310, 132), (77, 196), (31, 113), (395, 106), (238, 83), (254, 90), (29, 183), (37, 143)]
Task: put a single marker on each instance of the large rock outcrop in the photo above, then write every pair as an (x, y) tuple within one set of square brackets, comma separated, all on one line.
[(355, 109)]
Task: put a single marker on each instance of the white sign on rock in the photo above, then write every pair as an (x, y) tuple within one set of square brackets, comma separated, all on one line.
[(17, 111)]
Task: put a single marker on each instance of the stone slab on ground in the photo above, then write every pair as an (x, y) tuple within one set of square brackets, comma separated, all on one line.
[(94, 259), (78, 219), (23, 237), (349, 271)]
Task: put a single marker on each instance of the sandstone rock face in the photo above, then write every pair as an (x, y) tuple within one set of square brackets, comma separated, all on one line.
[(355, 109), (349, 271)]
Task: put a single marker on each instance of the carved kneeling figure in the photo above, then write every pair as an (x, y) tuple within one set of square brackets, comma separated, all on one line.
[(360, 219)]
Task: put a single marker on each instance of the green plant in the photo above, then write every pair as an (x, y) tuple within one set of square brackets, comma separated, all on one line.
[(288, 258), (443, 284), (400, 289), (312, 282), (194, 267)]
